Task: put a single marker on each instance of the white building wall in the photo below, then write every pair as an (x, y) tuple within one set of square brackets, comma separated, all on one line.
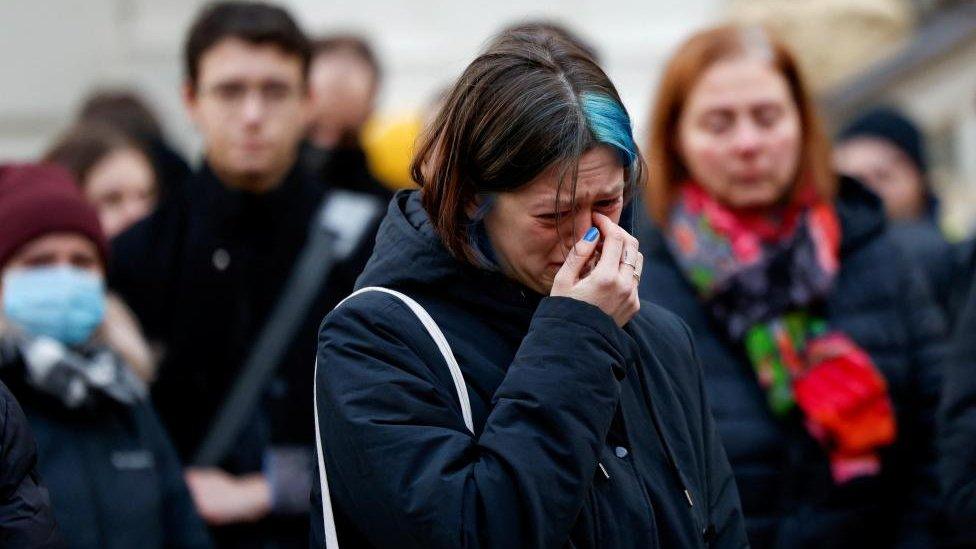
[(52, 52)]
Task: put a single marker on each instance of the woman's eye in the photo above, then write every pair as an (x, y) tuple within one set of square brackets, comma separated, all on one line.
[(768, 115), (113, 198), (609, 203), (717, 122), (553, 216), (83, 262), (40, 260)]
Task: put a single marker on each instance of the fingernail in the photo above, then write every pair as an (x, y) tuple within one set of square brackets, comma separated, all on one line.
[(591, 234)]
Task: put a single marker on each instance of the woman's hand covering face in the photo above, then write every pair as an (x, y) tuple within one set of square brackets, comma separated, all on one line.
[(611, 284)]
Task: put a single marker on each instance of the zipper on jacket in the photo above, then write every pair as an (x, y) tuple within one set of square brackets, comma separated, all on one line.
[(656, 420), (603, 470)]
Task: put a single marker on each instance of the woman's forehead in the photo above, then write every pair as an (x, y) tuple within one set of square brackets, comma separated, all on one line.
[(739, 80), (587, 189)]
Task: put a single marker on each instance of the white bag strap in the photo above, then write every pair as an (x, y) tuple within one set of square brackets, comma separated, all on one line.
[(331, 538)]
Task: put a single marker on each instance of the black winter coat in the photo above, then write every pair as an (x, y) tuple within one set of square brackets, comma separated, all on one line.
[(958, 428), (939, 261), (202, 274), (882, 302), (26, 519), (114, 478), (556, 388)]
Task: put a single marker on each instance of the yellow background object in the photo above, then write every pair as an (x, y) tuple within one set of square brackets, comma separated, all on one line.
[(389, 144)]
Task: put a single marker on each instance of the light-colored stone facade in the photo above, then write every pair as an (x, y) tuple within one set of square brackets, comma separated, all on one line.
[(834, 38)]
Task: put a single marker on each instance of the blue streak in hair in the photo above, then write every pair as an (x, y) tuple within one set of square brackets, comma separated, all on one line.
[(610, 124), (480, 242), (487, 202)]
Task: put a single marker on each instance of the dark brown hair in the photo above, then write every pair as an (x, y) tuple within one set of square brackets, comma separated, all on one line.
[(125, 110), (253, 22), (696, 55), (550, 28), (527, 103), (86, 144), (352, 44)]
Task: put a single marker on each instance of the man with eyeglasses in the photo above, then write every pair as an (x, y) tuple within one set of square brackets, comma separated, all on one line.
[(205, 272)]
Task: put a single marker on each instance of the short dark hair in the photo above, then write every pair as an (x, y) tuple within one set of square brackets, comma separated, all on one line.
[(353, 44), (83, 146), (254, 22), (125, 110), (527, 103)]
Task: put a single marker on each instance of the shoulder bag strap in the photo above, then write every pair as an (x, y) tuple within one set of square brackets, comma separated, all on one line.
[(331, 539)]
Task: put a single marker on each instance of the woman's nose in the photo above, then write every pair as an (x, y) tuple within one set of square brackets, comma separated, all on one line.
[(582, 220), (747, 139)]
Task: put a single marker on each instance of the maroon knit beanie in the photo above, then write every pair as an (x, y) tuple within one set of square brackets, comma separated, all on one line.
[(38, 199)]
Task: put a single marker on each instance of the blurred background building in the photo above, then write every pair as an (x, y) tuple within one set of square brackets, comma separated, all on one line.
[(916, 54)]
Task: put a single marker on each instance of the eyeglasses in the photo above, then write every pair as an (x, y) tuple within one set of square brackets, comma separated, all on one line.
[(233, 95)]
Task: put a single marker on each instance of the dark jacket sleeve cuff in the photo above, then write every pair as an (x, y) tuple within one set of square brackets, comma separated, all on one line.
[(592, 317)]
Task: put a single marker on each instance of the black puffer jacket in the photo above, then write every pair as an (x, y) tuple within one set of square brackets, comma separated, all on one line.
[(556, 388), (958, 428), (788, 497), (26, 519), (941, 262)]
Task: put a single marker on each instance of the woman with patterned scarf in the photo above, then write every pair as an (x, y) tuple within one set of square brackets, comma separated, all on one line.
[(820, 344), (113, 476)]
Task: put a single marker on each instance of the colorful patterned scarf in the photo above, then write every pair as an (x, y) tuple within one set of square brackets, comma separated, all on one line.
[(765, 277)]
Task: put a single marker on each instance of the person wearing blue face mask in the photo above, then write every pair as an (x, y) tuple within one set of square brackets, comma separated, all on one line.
[(64, 303), (113, 476)]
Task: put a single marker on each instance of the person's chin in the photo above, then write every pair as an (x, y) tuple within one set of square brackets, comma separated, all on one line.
[(543, 284), (253, 166), (753, 198)]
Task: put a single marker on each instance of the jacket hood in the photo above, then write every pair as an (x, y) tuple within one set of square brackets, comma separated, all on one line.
[(861, 213), (410, 256)]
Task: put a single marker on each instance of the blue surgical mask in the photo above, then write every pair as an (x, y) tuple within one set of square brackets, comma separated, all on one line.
[(64, 303)]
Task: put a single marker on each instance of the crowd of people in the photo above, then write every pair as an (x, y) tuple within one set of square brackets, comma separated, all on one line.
[(733, 331)]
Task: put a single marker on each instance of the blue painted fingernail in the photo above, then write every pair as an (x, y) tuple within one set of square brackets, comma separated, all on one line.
[(591, 234)]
